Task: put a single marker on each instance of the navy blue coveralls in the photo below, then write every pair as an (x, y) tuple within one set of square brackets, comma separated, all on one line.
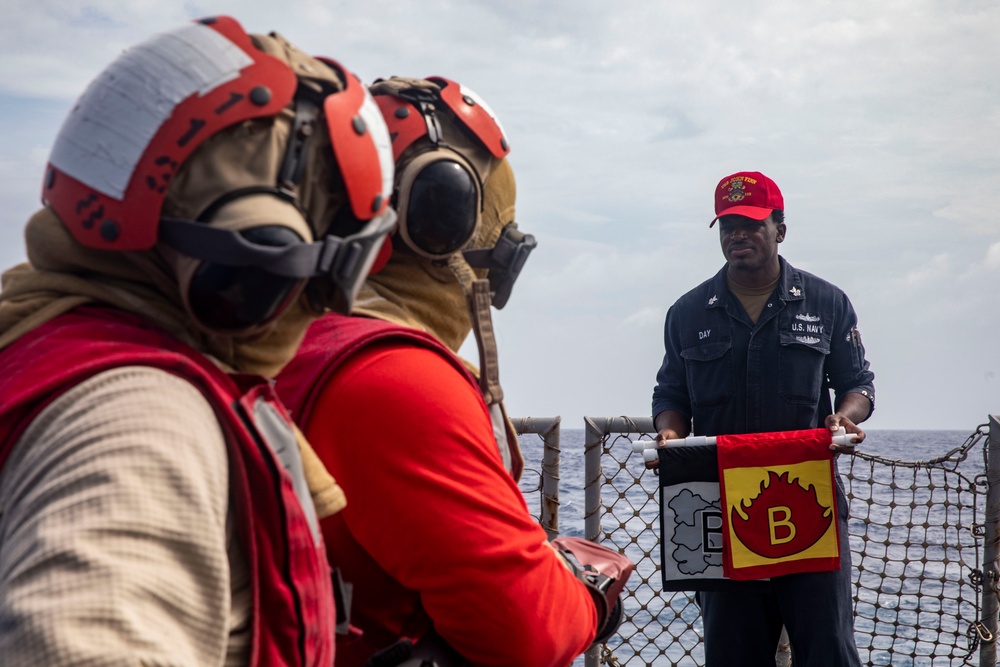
[(732, 376)]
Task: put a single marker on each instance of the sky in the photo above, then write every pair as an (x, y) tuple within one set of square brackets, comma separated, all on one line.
[(880, 122)]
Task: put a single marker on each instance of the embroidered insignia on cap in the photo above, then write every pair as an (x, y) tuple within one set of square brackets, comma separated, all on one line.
[(736, 192)]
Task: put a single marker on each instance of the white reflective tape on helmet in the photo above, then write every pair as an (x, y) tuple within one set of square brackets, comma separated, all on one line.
[(104, 137), (139, 121), (361, 145), (466, 91), (382, 142), (475, 114)]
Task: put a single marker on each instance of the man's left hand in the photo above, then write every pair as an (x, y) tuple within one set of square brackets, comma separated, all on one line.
[(834, 422)]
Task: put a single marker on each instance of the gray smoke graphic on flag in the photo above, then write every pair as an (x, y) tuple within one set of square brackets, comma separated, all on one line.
[(697, 532)]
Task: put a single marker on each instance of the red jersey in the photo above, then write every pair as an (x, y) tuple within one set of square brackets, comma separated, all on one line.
[(436, 531)]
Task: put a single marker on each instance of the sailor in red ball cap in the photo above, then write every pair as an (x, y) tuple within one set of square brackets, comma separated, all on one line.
[(758, 348)]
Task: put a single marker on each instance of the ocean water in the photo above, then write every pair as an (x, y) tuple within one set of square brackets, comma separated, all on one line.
[(908, 446)]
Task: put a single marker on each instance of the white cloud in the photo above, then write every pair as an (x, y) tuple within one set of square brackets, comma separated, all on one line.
[(969, 207), (934, 270), (645, 317), (993, 257)]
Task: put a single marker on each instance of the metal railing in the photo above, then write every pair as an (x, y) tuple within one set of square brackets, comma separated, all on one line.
[(924, 542), (547, 485)]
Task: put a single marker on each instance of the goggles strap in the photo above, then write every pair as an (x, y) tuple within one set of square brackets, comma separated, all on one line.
[(343, 258)]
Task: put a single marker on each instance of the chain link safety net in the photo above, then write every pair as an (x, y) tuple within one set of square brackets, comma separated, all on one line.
[(916, 535)]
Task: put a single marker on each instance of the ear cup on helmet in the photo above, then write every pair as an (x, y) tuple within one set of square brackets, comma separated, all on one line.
[(232, 298), (441, 208)]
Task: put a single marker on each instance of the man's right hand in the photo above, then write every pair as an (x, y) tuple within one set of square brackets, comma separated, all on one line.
[(669, 425), (667, 434), (661, 439)]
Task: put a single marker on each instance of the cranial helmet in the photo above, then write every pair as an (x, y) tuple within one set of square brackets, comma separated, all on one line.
[(446, 141), (234, 152)]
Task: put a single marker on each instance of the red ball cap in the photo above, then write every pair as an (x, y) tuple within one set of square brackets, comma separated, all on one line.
[(747, 193)]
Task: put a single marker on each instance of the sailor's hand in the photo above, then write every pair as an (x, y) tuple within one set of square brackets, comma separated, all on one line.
[(835, 422), (661, 439), (667, 434)]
